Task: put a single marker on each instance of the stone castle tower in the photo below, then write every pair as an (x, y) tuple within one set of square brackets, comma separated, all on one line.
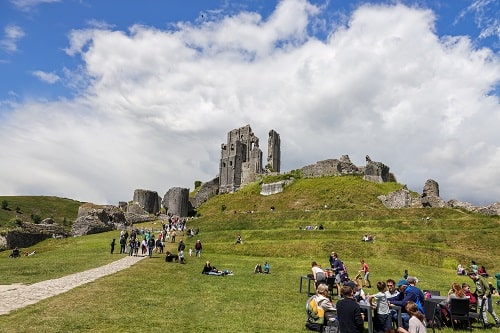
[(273, 152), (241, 158)]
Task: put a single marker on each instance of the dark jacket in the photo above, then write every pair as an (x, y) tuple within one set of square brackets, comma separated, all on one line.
[(349, 315)]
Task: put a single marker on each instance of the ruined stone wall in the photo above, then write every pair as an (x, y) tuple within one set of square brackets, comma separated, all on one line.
[(206, 191), (149, 200), (330, 167), (176, 201), (376, 172), (274, 151)]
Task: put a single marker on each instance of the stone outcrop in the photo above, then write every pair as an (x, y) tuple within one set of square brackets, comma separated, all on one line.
[(136, 208), (400, 199), (205, 192), (176, 201), (96, 221), (430, 195), (148, 200)]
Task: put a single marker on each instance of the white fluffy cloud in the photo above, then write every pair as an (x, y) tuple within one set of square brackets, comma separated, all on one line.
[(157, 104)]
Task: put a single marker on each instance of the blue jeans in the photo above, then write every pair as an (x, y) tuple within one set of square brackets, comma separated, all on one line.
[(405, 318)]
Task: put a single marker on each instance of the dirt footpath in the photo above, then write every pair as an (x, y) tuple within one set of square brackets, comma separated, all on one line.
[(15, 296)]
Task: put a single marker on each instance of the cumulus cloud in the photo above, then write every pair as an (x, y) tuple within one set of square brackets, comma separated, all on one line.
[(26, 5), (46, 77), (12, 34), (156, 104)]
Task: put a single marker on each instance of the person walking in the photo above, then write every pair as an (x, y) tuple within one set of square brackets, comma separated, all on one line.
[(198, 247), (484, 296), (112, 246), (366, 274)]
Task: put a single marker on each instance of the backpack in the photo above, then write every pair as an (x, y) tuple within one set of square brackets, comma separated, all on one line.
[(315, 315), (318, 320), (418, 300)]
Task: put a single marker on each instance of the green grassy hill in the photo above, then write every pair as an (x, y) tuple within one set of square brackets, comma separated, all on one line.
[(27, 208), (160, 296)]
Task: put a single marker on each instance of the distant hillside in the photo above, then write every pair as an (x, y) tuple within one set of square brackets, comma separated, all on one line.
[(36, 208)]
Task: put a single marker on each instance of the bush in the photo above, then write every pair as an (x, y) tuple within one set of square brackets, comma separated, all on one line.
[(36, 218), (197, 183), (5, 204)]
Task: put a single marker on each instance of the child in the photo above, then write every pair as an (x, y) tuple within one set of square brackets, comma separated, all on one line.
[(417, 319), (383, 316), (190, 251)]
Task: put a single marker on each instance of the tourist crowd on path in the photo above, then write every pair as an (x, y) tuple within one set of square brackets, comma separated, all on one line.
[(405, 294)]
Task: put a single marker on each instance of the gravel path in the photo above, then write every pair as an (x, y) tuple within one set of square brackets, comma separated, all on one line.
[(16, 296)]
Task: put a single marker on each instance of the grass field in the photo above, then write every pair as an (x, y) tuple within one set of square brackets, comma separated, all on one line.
[(156, 296)]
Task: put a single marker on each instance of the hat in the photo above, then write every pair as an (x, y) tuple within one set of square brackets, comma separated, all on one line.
[(350, 284), (402, 282), (411, 279)]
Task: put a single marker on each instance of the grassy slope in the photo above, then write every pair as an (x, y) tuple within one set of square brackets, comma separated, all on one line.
[(175, 297), (57, 208)]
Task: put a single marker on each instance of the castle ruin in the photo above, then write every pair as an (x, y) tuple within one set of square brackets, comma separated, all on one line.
[(241, 158)]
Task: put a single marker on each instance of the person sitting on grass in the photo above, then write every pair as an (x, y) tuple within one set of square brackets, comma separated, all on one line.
[(16, 253)]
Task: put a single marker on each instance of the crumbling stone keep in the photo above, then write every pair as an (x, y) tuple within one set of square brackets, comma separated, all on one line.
[(241, 158)]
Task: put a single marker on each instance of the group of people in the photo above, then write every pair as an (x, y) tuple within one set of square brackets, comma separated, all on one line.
[(348, 314), (130, 244), (480, 270), (480, 300)]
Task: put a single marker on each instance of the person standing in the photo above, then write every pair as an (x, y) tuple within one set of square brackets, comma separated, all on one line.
[(113, 246), (366, 274), (197, 248), (123, 242), (484, 296), (349, 313), (383, 313), (337, 268), (151, 246)]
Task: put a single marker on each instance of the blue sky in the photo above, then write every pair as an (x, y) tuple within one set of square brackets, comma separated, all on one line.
[(98, 98)]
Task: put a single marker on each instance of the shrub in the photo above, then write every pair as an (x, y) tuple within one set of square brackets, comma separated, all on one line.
[(5, 204), (197, 183), (36, 218)]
